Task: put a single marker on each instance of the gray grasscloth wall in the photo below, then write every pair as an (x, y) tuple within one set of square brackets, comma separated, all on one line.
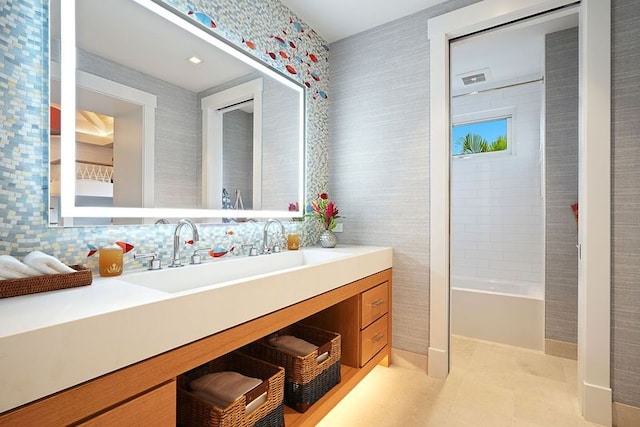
[(561, 165), (379, 156), (237, 154), (625, 257)]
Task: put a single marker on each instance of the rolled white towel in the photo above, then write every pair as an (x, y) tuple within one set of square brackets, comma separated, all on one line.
[(12, 268), (46, 264)]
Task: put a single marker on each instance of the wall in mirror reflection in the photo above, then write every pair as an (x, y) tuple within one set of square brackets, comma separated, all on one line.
[(177, 176)]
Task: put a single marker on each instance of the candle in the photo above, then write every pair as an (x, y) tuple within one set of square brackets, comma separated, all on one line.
[(293, 241), (110, 260)]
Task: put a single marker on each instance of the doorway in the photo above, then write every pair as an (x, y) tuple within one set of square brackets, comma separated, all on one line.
[(594, 227), (513, 181)]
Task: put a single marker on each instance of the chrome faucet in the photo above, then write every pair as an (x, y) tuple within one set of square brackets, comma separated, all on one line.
[(265, 236), (175, 262)]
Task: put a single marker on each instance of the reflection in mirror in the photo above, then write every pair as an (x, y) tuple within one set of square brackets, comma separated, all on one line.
[(237, 153), (146, 141)]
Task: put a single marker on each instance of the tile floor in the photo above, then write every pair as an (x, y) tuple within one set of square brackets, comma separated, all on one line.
[(489, 385)]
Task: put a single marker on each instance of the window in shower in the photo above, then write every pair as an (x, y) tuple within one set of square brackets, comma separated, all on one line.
[(481, 136)]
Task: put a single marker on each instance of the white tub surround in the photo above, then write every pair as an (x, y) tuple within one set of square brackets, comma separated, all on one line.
[(52, 341), (499, 311)]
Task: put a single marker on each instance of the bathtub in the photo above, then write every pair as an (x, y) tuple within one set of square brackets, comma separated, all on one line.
[(498, 311)]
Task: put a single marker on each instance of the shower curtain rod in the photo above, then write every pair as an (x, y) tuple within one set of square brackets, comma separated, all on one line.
[(498, 88)]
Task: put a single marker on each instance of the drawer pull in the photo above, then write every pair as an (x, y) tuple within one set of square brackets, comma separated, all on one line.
[(377, 337), (377, 303)]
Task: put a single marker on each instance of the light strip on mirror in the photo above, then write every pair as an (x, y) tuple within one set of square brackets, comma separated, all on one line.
[(301, 157), (68, 105), (92, 212), (68, 101)]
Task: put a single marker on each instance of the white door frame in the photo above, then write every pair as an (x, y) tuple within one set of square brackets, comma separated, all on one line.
[(594, 237), (148, 102), (213, 108)]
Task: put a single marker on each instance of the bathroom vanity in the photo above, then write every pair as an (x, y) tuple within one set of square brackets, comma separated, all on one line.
[(109, 353)]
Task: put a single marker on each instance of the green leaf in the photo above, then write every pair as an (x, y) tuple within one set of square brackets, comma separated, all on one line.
[(473, 143), (500, 144)]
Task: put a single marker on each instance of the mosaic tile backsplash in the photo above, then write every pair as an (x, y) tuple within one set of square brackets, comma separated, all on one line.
[(265, 29)]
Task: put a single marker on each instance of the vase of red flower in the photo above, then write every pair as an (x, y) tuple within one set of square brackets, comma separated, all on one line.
[(326, 212), (328, 239)]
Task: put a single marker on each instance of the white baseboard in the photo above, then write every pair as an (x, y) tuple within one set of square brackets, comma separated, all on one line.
[(438, 363), (597, 404)]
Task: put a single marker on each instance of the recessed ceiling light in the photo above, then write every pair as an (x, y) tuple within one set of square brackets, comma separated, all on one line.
[(194, 60)]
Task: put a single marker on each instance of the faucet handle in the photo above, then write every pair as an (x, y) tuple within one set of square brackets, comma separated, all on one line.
[(196, 258), (154, 262), (253, 251)]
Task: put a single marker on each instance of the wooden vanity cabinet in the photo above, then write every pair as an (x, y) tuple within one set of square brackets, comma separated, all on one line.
[(374, 303), (145, 393), (156, 407), (374, 321), (364, 321)]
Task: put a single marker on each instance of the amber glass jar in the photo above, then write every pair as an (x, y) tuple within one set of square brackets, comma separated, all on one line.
[(110, 260)]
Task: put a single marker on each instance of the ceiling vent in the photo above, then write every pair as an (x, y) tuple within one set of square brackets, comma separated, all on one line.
[(476, 76)]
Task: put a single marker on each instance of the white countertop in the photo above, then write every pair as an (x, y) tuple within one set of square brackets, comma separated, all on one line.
[(54, 340)]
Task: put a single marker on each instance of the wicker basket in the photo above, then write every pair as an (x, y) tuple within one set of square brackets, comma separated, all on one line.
[(44, 283), (307, 380), (193, 411)]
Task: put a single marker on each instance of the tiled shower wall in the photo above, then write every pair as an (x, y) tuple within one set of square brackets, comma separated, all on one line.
[(24, 128), (497, 217)]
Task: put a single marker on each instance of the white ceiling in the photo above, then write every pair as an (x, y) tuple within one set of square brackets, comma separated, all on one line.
[(337, 19), (152, 45), (509, 58)]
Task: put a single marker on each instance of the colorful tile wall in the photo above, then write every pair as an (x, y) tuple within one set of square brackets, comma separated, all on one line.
[(265, 29)]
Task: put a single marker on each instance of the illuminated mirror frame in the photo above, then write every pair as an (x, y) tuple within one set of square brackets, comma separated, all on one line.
[(67, 139)]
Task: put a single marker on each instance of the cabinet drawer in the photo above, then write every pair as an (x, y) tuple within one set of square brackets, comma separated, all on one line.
[(373, 339), (154, 408), (375, 304)]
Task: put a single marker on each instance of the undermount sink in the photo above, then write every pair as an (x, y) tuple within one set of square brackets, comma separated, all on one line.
[(228, 269)]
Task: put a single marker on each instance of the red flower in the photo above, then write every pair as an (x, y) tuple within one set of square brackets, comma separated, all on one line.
[(324, 211)]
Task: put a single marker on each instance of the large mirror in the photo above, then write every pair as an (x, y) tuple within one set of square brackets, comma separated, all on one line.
[(154, 116)]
